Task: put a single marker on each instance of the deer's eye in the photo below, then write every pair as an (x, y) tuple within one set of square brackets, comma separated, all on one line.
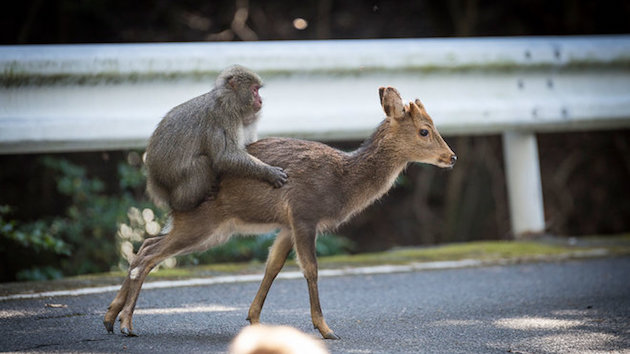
[(424, 132)]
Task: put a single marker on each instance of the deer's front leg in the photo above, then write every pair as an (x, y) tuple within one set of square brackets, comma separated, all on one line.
[(277, 256), (305, 249)]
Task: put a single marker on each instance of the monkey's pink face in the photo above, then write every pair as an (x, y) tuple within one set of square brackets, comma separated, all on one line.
[(257, 99)]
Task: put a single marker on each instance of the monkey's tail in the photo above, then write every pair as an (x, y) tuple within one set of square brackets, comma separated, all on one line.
[(157, 194), (159, 197), (168, 226)]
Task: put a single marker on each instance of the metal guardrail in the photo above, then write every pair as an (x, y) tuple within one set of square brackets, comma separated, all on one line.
[(94, 97)]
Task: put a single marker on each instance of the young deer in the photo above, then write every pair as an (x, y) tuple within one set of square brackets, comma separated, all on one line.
[(325, 188)]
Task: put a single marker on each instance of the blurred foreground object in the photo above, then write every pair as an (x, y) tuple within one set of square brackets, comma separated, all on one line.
[(275, 339)]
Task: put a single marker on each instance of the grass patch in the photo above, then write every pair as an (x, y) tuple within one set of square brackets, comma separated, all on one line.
[(482, 250), (208, 270), (621, 239)]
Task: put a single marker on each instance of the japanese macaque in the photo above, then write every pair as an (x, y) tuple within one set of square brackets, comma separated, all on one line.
[(202, 139)]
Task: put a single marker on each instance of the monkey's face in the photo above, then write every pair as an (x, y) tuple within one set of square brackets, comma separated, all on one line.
[(256, 99)]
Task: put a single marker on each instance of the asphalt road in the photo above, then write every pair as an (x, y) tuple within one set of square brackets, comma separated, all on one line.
[(574, 306)]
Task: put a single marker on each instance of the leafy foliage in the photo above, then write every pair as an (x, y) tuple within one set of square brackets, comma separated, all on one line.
[(90, 222), (83, 239), (37, 235)]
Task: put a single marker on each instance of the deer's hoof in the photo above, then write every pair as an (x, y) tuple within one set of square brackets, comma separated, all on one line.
[(331, 335), (109, 326), (127, 332)]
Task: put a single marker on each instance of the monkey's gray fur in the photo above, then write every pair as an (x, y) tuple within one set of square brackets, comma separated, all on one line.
[(202, 139)]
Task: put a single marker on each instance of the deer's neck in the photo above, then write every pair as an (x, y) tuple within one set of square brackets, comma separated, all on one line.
[(372, 170)]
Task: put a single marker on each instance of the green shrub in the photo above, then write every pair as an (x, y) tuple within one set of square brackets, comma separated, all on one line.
[(22, 244), (80, 241), (37, 236)]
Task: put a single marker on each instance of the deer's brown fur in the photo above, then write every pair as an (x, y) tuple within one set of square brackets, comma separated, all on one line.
[(326, 187)]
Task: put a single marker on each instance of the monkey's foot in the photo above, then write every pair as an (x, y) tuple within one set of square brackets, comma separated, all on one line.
[(127, 332), (109, 326)]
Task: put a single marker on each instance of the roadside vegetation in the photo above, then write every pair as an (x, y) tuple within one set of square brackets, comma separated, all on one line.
[(489, 252)]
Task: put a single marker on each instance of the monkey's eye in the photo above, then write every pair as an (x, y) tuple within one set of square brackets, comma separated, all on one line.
[(424, 132)]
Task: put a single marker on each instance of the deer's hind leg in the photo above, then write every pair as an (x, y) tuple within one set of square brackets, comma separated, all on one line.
[(119, 301), (186, 238), (138, 271)]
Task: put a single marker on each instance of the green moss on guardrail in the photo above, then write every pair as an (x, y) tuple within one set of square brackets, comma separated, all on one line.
[(16, 75)]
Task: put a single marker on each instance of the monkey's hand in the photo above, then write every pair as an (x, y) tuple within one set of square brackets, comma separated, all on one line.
[(276, 176)]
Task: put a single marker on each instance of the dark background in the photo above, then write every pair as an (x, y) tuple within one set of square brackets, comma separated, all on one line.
[(585, 174), (107, 21)]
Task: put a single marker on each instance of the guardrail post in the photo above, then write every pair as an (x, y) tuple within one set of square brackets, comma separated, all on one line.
[(522, 170)]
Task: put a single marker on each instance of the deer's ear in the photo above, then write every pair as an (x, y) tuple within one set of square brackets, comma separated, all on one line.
[(391, 102), (381, 90)]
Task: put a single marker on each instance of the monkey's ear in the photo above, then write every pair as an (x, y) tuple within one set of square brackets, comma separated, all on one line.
[(232, 81)]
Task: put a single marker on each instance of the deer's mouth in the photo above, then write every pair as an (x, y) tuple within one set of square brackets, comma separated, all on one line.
[(446, 161)]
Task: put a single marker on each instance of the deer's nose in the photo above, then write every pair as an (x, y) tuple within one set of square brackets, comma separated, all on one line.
[(453, 159)]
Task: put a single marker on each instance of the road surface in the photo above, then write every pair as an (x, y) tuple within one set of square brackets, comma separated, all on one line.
[(572, 306)]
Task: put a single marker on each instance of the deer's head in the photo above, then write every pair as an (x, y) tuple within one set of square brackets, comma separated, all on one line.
[(414, 132)]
